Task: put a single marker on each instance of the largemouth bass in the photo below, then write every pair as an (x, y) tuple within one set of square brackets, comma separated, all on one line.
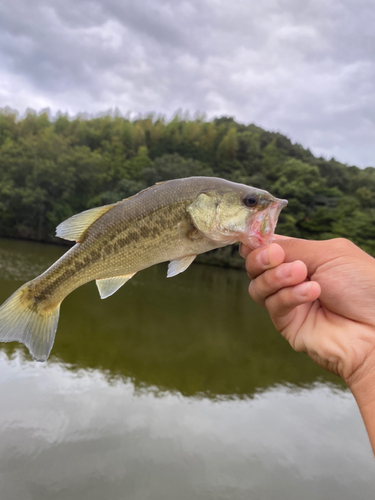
[(172, 221)]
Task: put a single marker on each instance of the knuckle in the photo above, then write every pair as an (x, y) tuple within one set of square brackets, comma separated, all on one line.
[(280, 302), (270, 304), (343, 244), (254, 292), (251, 267), (267, 282)]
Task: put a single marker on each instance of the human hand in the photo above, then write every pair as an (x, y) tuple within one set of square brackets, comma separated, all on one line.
[(331, 316)]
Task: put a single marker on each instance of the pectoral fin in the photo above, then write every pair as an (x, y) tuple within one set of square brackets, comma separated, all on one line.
[(189, 231), (179, 265), (109, 286)]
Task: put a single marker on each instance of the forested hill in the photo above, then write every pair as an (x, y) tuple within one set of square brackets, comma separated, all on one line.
[(52, 169)]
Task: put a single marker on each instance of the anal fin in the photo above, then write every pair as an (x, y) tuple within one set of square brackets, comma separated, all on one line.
[(179, 265), (109, 286)]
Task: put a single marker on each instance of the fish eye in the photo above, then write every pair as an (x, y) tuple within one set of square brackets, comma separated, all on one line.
[(250, 200)]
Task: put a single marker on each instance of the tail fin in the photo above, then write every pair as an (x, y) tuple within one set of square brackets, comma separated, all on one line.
[(22, 319)]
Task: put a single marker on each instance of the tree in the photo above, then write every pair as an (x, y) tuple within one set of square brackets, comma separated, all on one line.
[(53, 168)]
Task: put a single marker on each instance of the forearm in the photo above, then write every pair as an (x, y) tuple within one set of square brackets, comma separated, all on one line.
[(363, 389)]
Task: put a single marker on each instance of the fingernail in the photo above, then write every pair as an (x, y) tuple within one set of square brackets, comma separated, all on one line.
[(285, 271), (303, 289), (264, 257)]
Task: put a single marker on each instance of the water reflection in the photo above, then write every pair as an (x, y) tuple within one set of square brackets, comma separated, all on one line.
[(197, 333), (75, 434), (22, 261)]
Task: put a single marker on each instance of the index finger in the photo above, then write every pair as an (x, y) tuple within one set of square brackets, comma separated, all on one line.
[(264, 258), (245, 250)]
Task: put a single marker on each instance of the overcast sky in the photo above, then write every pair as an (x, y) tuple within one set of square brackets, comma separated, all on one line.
[(304, 68)]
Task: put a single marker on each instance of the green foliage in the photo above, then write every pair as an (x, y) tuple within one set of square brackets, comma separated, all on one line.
[(53, 168), (227, 147)]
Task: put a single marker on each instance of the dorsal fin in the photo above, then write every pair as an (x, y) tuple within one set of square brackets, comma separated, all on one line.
[(75, 227)]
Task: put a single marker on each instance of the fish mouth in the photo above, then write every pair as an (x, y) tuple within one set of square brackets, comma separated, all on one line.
[(273, 216), (263, 227)]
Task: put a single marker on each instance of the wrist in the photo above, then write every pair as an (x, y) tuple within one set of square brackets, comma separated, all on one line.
[(362, 380), (362, 386)]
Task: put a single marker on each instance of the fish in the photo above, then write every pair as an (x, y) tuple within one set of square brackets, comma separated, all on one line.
[(173, 221)]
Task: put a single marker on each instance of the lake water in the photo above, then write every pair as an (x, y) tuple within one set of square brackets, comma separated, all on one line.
[(171, 389)]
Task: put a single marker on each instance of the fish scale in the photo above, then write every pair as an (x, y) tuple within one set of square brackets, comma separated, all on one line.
[(172, 221)]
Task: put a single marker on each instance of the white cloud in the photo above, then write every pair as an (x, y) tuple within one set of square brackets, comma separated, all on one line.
[(306, 69)]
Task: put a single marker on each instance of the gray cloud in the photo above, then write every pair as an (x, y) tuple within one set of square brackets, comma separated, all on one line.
[(303, 68)]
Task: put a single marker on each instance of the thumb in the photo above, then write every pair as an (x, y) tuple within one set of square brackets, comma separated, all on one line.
[(312, 253), (316, 253)]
